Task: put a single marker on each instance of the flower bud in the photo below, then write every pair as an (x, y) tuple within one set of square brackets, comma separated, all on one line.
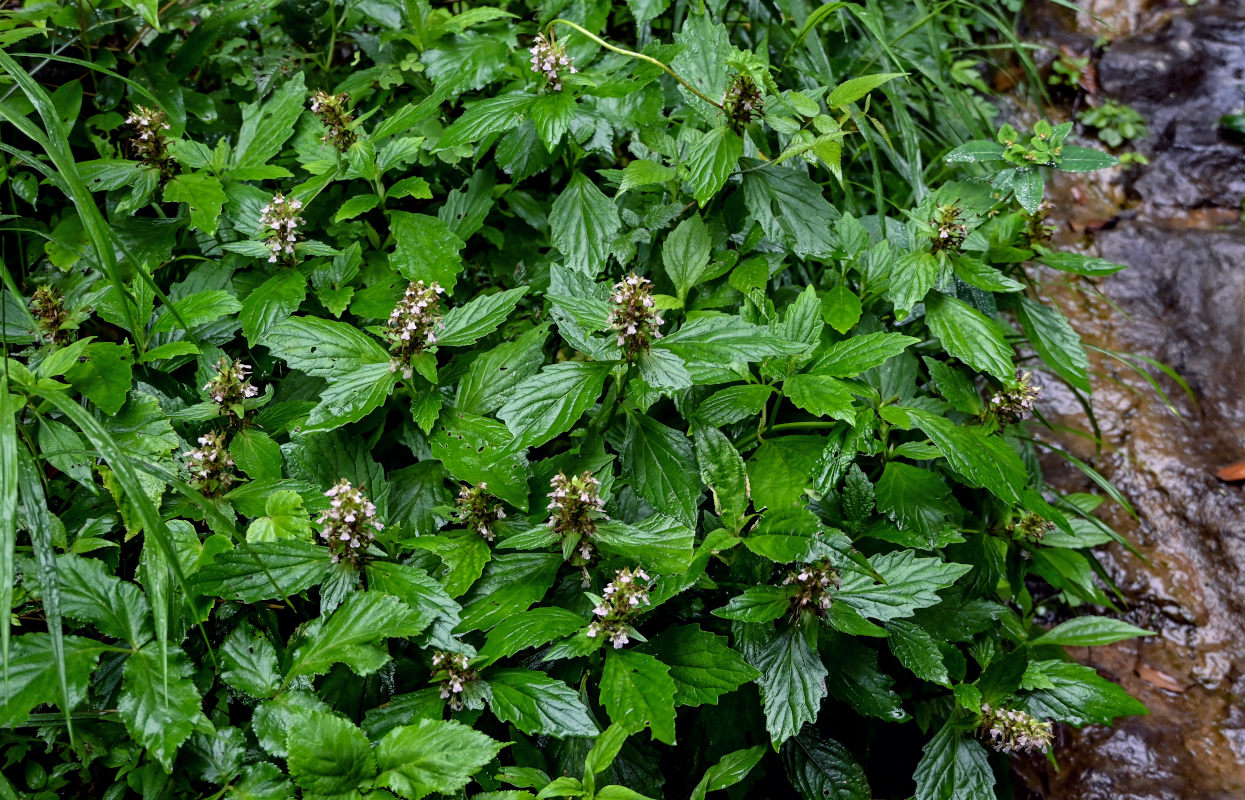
[(479, 510), (1015, 404), (210, 466), (816, 584), (413, 324), (550, 60), (279, 221), (47, 306), (231, 388), (148, 142), (634, 315), (450, 670), (332, 109), (621, 601), (948, 228), (349, 523), (575, 505), (1031, 528), (1011, 730), (743, 102)]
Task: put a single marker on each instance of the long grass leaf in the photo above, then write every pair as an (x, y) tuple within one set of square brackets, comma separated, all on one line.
[(40, 525), (153, 523), (8, 517)]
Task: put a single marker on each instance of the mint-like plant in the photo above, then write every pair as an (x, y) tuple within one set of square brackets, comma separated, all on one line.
[(535, 400)]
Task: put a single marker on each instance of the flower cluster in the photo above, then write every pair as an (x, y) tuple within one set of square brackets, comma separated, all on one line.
[(231, 388), (413, 324), (210, 465), (550, 59), (149, 143), (622, 599), (1031, 528), (1038, 228), (634, 316), (479, 510), (743, 102), (1015, 404), (1011, 730), (47, 306), (451, 672), (575, 505), (280, 220), (949, 228), (334, 116), (816, 584), (350, 521)]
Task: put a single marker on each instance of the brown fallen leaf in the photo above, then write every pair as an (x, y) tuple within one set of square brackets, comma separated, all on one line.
[(1162, 680), (1235, 472)]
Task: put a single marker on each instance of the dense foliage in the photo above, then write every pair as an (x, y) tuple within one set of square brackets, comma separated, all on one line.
[(567, 400)]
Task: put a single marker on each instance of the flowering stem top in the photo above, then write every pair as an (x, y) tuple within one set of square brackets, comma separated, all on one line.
[(632, 54)]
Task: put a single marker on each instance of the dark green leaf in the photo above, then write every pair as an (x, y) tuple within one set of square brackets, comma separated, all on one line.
[(330, 756), (970, 336), (432, 756), (701, 664), (822, 769), (538, 704), (638, 693), (793, 679)]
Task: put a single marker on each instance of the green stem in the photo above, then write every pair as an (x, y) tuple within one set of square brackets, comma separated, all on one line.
[(632, 54), (811, 425)]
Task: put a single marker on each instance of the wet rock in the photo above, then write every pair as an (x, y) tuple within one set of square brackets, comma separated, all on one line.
[(1176, 223), (1182, 79)]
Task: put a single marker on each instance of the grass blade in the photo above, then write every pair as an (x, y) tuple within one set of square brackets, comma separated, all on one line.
[(39, 525), (8, 516)]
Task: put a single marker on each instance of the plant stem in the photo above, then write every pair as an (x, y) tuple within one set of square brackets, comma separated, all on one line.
[(811, 425), (641, 57)]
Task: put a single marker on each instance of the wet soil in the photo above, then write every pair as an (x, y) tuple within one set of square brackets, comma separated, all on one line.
[(1177, 223)]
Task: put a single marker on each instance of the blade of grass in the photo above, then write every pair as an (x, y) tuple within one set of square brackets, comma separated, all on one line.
[(39, 525), (153, 523), (8, 515)]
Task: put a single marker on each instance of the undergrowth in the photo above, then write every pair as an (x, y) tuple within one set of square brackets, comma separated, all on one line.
[(544, 400)]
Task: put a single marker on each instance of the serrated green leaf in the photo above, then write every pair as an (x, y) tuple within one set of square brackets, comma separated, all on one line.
[(822, 769), (1089, 631), (854, 89), (329, 756), (432, 756), (249, 663), (353, 635), (662, 466), (701, 664), (954, 767), (583, 224), (710, 160), (466, 324), (159, 703), (638, 693), (538, 704), (850, 357), (793, 679), (1055, 341), (550, 402)]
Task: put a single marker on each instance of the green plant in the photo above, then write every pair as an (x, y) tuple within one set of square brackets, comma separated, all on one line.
[(1114, 123), (1068, 70), (416, 401)]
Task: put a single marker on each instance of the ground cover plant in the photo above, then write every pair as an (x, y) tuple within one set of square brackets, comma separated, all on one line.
[(563, 400)]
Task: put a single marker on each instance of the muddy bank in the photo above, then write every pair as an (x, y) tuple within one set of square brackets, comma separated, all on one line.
[(1177, 223)]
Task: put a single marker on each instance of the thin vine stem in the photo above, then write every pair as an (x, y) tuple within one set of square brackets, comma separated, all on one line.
[(632, 54)]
